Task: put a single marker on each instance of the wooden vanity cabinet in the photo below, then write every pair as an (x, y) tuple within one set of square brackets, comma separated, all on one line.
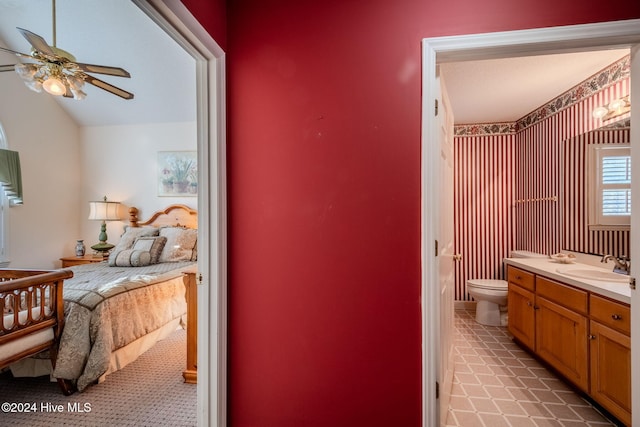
[(610, 346), (520, 306), (562, 330), (583, 336)]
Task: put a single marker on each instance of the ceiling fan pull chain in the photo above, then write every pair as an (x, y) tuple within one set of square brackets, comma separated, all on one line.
[(53, 14)]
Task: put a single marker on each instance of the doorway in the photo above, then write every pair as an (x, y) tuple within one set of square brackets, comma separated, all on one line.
[(176, 20), (492, 46)]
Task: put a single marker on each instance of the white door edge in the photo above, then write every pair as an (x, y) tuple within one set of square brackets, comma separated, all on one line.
[(176, 20)]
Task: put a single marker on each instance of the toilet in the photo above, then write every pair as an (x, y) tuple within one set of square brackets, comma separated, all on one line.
[(491, 300), (491, 295)]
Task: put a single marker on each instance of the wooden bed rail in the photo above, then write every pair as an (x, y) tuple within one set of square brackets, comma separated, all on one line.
[(30, 302)]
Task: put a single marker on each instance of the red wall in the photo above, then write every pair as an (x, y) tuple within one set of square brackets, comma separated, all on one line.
[(212, 14), (324, 198)]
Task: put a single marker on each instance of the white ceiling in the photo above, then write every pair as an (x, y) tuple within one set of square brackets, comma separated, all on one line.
[(115, 33), (505, 90)]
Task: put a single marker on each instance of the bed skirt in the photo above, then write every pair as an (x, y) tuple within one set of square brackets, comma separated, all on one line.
[(39, 366)]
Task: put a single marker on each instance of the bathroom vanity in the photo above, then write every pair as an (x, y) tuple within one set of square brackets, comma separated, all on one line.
[(576, 318)]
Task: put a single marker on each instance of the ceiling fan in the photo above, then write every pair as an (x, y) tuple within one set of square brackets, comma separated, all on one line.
[(57, 71)]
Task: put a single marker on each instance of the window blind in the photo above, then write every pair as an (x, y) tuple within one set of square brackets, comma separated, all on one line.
[(616, 185)]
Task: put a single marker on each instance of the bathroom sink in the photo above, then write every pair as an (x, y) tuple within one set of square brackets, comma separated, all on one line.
[(586, 273)]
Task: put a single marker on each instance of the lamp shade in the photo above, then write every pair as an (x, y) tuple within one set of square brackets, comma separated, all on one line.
[(104, 211)]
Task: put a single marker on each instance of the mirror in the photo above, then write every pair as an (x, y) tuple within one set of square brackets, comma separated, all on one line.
[(574, 174)]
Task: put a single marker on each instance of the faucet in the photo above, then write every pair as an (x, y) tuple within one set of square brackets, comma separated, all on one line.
[(622, 264)]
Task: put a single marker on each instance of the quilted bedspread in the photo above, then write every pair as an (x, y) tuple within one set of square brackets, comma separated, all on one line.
[(107, 308)]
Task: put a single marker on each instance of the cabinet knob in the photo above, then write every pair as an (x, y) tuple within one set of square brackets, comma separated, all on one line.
[(616, 317), (592, 337), (529, 304), (518, 277)]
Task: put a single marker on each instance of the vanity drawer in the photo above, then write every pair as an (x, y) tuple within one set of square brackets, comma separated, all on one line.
[(572, 298), (521, 278), (611, 313)]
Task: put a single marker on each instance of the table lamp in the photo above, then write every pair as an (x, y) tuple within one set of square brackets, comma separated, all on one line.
[(103, 211)]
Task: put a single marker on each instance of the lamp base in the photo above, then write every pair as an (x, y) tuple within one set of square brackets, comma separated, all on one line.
[(102, 247)]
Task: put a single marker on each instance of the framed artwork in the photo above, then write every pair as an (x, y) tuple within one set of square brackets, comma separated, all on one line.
[(177, 173)]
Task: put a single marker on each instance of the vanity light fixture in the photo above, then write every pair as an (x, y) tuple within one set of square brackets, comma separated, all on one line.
[(615, 108)]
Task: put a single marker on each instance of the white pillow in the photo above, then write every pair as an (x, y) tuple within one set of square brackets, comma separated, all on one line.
[(181, 244)]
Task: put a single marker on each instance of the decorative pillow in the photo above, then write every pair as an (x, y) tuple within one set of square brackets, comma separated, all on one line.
[(181, 244), (153, 245), (131, 234), (130, 258)]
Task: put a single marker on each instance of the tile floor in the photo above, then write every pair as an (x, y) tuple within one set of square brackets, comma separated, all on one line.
[(498, 384)]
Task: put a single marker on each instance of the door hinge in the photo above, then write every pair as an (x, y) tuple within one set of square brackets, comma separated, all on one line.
[(632, 283), (437, 390), (436, 107), (436, 248)]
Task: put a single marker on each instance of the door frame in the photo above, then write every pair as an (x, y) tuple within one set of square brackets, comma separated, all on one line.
[(565, 39), (176, 20)]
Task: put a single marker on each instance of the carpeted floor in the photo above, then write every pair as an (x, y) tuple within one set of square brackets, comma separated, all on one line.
[(148, 392)]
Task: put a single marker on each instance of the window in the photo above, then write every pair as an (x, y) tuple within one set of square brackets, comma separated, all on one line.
[(610, 187)]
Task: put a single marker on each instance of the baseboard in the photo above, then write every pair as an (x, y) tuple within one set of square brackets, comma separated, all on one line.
[(464, 305)]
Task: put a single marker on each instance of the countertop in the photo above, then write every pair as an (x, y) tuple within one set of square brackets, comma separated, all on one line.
[(618, 291)]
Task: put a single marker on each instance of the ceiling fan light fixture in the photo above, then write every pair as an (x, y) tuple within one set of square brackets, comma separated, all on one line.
[(34, 85), (54, 86), (75, 82), (78, 94), (26, 71), (57, 71)]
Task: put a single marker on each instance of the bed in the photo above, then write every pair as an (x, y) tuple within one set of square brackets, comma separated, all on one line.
[(117, 309)]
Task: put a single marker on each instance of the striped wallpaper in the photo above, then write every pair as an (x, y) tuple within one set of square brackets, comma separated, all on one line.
[(508, 181), (484, 190)]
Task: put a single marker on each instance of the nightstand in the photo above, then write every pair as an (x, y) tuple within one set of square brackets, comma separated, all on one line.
[(70, 261)]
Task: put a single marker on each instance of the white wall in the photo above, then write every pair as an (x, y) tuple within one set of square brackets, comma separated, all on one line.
[(64, 167), (120, 162), (46, 226)]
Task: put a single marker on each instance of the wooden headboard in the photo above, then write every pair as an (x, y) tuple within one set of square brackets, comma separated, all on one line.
[(174, 215)]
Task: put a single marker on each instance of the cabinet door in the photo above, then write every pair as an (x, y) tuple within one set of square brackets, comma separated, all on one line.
[(611, 370), (521, 315), (561, 340)]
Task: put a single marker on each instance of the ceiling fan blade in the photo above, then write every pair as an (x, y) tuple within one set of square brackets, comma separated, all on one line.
[(108, 87), (103, 69), (24, 55), (11, 67), (37, 42)]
